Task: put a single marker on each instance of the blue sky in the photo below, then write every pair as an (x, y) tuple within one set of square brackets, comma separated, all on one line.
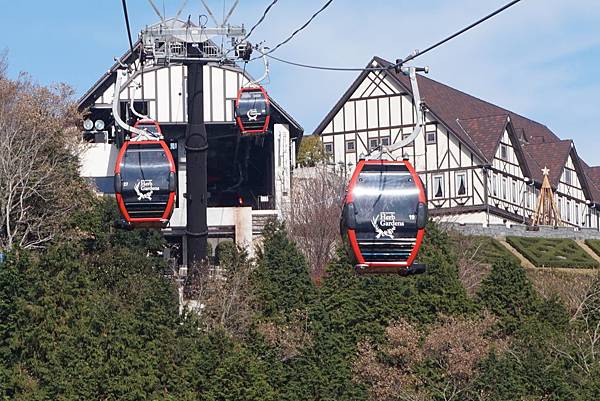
[(540, 59)]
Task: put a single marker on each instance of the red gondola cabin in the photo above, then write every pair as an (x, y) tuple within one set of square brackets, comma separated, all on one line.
[(145, 183), (384, 216), (252, 111)]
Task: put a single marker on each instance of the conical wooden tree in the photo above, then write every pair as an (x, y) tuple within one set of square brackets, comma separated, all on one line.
[(546, 212)]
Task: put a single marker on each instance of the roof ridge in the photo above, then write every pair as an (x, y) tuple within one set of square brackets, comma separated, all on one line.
[(488, 116), (477, 98)]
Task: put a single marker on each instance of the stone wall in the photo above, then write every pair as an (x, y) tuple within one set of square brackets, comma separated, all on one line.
[(519, 230)]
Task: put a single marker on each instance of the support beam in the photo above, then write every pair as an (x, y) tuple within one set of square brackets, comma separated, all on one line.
[(196, 149)]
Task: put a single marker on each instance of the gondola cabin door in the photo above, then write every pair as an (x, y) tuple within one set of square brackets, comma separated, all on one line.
[(384, 216), (145, 183)]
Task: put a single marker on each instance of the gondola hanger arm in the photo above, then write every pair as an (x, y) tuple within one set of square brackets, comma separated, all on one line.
[(122, 73), (132, 106), (411, 72), (257, 82)]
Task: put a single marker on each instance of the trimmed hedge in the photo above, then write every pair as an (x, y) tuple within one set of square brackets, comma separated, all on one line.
[(594, 244), (552, 252)]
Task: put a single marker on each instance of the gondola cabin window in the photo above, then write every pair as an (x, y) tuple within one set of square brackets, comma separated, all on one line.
[(438, 186), (461, 183)]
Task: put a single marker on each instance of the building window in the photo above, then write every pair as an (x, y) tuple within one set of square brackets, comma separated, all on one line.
[(351, 146), (385, 141), (569, 211), (373, 143), (568, 178), (438, 186), (514, 191), (576, 214), (431, 137), (461, 183), (494, 185), (503, 151), (329, 148), (504, 188), (560, 210)]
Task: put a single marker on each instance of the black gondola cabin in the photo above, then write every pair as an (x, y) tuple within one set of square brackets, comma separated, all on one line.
[(252, 110), (145, 183), (384, 216)]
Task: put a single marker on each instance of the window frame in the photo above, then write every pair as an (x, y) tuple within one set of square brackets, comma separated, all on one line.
[(568, 176), (427, 140), (457, 184), (442, 186), (504, 188), (514, 191), (328, 144), (388, 138), (353, 142), (504, 151), (376, 141)]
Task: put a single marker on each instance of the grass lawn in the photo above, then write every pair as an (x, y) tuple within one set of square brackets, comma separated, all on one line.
[(552, 252), (594, 244)]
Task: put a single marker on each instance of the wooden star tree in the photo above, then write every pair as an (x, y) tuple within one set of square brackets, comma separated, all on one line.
[(546, 212)]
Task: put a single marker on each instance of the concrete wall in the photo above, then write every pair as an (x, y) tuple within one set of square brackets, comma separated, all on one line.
[(519, 230)]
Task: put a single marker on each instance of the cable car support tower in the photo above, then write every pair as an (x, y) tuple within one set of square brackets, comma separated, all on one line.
[(192, 46)]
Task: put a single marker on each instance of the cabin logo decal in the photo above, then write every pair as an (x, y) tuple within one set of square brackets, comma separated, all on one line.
[(144, 189), (385, 224)]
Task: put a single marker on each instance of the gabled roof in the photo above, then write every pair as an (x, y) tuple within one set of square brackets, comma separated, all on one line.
[(485, 131), (450, 104), (552, 155), (592, 175)]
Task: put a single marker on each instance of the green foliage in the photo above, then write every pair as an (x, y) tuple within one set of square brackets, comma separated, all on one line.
[(552, 252), (311, 151), (97, 319), (594, 245), (281, 280), (94, 317), (225, 252)]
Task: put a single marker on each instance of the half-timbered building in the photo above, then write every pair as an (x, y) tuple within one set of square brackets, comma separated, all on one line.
[(248, 177), (479, 162)]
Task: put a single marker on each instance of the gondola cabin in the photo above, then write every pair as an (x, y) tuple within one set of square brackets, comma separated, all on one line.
[(384, 216), (145, 183), (252, 111)]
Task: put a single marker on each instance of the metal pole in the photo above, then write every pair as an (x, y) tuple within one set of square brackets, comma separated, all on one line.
[(196, 147)]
